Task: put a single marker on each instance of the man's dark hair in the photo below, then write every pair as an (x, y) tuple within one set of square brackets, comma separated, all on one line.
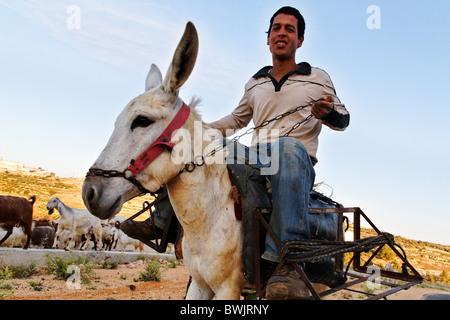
[(293, 12)]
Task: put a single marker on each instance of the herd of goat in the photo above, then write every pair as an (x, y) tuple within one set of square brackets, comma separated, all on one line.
[(75, 229)]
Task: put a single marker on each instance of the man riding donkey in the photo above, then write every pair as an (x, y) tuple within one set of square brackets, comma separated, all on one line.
[(272, 91)]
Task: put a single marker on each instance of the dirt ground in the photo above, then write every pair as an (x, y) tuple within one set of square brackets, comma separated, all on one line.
[(104, 284), (121, 284)]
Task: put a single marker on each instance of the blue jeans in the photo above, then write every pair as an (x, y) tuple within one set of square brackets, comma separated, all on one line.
[(291, 186), (162, 211)]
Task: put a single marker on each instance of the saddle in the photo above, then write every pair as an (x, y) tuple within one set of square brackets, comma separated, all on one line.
[(254, 190)]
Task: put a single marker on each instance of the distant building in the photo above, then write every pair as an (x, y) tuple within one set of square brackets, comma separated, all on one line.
[(20, 167)]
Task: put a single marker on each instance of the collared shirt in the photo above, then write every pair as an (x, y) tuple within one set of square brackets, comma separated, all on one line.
[(265, 98)]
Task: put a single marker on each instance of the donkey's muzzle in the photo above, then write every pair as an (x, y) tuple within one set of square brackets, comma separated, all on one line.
[(101, 204)]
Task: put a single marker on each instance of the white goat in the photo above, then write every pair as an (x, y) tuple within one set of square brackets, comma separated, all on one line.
[(66, 239), (123, 241), (116, 238), (78, 223), (108, 227)]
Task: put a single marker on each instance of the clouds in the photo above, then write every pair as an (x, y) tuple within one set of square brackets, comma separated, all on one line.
[(108, 31), (123, 34), (88, 72), (138, 33)]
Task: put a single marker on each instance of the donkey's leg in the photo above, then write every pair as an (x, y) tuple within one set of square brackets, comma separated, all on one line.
[(196, 292), (231, 288), (229, 292)]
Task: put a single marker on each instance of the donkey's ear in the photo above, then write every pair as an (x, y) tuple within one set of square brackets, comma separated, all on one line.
[(154, 78), (183, 60)]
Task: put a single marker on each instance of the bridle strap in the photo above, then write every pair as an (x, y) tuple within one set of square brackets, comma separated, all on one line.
[(161, 143), (151, 153)]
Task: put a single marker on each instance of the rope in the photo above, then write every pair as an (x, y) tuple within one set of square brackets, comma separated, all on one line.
[(301, 251)]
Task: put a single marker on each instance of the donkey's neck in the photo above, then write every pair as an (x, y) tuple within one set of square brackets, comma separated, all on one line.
[(201, 195)]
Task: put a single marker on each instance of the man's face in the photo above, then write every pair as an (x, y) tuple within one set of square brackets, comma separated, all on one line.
[(283, 38)]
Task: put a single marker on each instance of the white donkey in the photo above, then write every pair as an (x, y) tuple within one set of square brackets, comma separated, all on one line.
[(212, 243)]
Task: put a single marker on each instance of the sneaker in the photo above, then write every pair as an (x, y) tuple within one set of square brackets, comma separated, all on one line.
[(286, 284)]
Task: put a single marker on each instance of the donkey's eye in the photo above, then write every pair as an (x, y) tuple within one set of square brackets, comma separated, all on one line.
[(141, 121)]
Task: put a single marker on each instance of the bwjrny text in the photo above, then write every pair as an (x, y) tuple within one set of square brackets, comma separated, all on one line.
[(240, 310)]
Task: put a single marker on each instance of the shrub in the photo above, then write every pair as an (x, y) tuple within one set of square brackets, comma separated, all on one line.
[(151, 272), (24, 271), (6, 293), (37, 286), (386, 253), (5, 273), (445, 277), (111, 263), (172, 264), (59, 267)]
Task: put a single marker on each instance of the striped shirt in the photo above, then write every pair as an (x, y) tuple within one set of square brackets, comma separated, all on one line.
[(265, 98)]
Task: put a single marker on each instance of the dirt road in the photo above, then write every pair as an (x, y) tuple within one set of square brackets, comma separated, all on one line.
[(122, 283)]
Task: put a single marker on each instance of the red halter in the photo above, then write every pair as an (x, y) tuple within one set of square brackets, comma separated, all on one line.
[(161, 143)]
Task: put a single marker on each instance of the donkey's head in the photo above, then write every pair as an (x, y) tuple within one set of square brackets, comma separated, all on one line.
[(141, 122)]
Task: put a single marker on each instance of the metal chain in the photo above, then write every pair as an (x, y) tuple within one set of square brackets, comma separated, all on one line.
[(127, 174), (190, 166), (200, 160)]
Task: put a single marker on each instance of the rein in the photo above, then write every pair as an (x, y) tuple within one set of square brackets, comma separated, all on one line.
[(163, 142), (200, 160)]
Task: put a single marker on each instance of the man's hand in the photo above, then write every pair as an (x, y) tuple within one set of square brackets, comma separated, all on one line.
[(321, 108)]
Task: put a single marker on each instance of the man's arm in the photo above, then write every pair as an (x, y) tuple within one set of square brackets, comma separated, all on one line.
[(238, 119), (330, 110), (326, 111)]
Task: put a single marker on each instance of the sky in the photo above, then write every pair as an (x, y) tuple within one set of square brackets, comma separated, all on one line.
[(68, 68)]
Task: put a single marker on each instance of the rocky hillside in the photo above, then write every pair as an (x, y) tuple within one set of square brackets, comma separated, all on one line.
[(431, 260), (68, 190)]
